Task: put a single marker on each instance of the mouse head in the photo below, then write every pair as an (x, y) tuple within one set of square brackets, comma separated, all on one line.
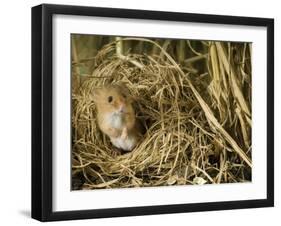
[(114, 99)]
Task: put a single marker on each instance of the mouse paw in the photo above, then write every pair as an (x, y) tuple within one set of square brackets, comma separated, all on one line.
[(124, 134), (115, 152)]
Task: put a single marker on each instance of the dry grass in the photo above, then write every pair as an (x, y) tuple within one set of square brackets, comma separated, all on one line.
[(198, 126)]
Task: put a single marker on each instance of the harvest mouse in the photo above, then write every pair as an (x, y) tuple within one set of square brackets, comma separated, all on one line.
[(116, 115)]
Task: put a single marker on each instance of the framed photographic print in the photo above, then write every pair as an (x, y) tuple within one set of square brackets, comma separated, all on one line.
[(147, 112)]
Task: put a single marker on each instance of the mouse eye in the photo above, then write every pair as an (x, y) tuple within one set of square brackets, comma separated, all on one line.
[(110, 98)]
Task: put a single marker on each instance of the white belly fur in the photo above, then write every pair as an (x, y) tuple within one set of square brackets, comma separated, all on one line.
[(116, 121), (125, 144)]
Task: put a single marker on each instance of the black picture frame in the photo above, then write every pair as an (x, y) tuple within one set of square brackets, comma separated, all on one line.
[(42, 86)]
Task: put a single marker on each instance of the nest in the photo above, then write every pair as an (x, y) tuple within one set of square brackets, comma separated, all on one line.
[(188, 139)]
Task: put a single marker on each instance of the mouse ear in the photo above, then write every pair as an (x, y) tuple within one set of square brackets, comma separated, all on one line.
[(121, 84), (123, 88), (96, 92)]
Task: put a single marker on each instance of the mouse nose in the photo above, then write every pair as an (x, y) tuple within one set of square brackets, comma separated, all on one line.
[(122, 108)]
